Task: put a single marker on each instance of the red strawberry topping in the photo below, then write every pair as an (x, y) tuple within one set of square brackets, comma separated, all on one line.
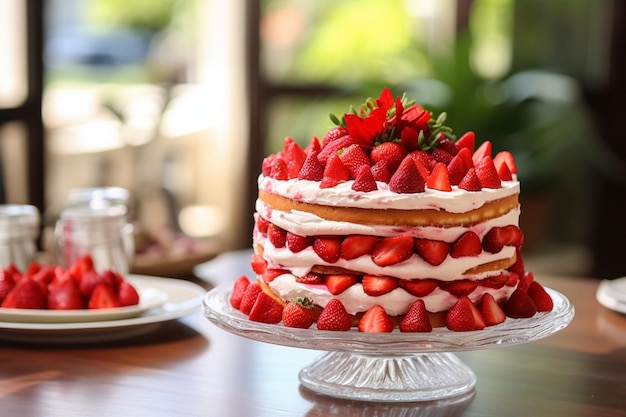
[(391, 152), (354, 157), (540, 296), (312, 169), (239, 288), (327, 248), (375, 285), (432, 251), (334, 172), (491, 311), (375, 320), (438, 179), (470, 181), (460, 318), (354, 246), (468, 140), (418, 287), (483, 150), (364, 180), (407, 179), (416, 318), (266, 310), (337, 284), (299, 313), (392, 250), (487, 174), (520, 305), (334, 317), (468, 244)]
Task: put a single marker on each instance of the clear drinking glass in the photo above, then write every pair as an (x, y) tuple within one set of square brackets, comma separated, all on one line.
[(19, 228), (103, 232)]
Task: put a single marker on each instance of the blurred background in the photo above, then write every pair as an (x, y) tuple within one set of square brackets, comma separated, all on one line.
[(178, 101)]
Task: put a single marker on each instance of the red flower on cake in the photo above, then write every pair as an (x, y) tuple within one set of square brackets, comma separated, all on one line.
[(372, 122)]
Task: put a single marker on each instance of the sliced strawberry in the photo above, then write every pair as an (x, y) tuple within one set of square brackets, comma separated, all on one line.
[(501, 236), (540, 296), (381, 172), (296, 243), (66, 296), (333, 134), (483, 150), (460, 318), (333, 148), (354, 157), (262, 224), (506, 158), (520, 305), (468, 244), (445, 144), (487, 174), (438, 179), (407, 179), (376, 285), (335, 172), (498, 281), (375, 320), (267, 163), (391, 152), (334, 317), (416, 318), (26, 293), (456, 170), (312, 169), (311, 278), (277, 236), (504, 173), (459, 288), (299, 313), (270, 274), (258, 264), (479, 322), (364, 180), (128, 294), (518, 267), (313, 146), (525, 281), (294, 157), (266, 310), (418, 287), (327, 248), (432, 251), (426, 159), (470, 181), (468, 140), (82, 265), (466, 156), (239, 288), (392, 250), (249, 297), (491, 311), (6, 284), (337, 283), (103, 296), (353, 246)]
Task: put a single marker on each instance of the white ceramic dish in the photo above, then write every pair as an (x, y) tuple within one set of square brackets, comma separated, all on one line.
[(182, 298), (612, 294), (149, 297)]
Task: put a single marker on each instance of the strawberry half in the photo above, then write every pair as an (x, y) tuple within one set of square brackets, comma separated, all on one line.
[(392, 152), (483, 150), (487, 173), (312, 169), (491, 311), (468, 244), (540, 296), (266, 310), (468, 140), (432, 251), (296, 243), (498, 237), (335, 172), (520, 305), (418, 287), (459, 288), (416, 318), (460, 318), (392, 250), (249, 297), (277, 236), (354, 246), (375, 320), (239, 288), (337, 284), (407, 179), (364, 180), (375, 285), (327, 248), (439, 179), (470, 181), (354, 157)]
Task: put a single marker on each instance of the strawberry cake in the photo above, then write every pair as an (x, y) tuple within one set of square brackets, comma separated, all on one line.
[(389, 222)]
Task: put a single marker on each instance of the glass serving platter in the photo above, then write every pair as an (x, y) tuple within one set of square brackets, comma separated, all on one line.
[(392, 366)]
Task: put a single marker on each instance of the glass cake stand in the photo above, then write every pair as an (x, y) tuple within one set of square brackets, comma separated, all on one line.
[(388, 366)]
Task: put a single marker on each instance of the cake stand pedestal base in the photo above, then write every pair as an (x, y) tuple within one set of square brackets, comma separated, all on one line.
[(371, 377)]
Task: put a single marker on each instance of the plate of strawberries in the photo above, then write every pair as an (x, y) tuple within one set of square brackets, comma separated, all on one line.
[(79, 293)]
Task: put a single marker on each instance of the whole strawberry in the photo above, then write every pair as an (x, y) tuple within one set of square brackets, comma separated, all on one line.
[(299, 313), (334, 317)]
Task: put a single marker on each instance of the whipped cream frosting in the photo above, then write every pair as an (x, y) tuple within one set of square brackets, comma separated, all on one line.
[(342, 195)]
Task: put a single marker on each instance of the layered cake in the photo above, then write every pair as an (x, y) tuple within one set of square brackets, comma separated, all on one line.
[(389, 221)]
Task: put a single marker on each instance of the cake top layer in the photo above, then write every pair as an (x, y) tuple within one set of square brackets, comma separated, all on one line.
[(391, 150)]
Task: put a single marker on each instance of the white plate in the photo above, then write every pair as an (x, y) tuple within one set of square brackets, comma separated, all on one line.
[(183, 298), (149, 297), (612, 294)]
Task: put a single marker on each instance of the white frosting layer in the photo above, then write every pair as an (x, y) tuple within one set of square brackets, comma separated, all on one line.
[(308, 224), (342, 195), (395, 302)]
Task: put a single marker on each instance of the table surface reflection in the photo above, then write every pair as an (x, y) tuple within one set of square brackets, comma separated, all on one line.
[(189, 367)]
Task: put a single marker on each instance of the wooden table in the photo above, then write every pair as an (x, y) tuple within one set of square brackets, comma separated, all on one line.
[(190, 367)]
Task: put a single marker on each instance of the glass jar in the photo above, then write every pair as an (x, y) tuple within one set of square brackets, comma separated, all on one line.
[(97, 197), (103, 232), (19, 229)]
